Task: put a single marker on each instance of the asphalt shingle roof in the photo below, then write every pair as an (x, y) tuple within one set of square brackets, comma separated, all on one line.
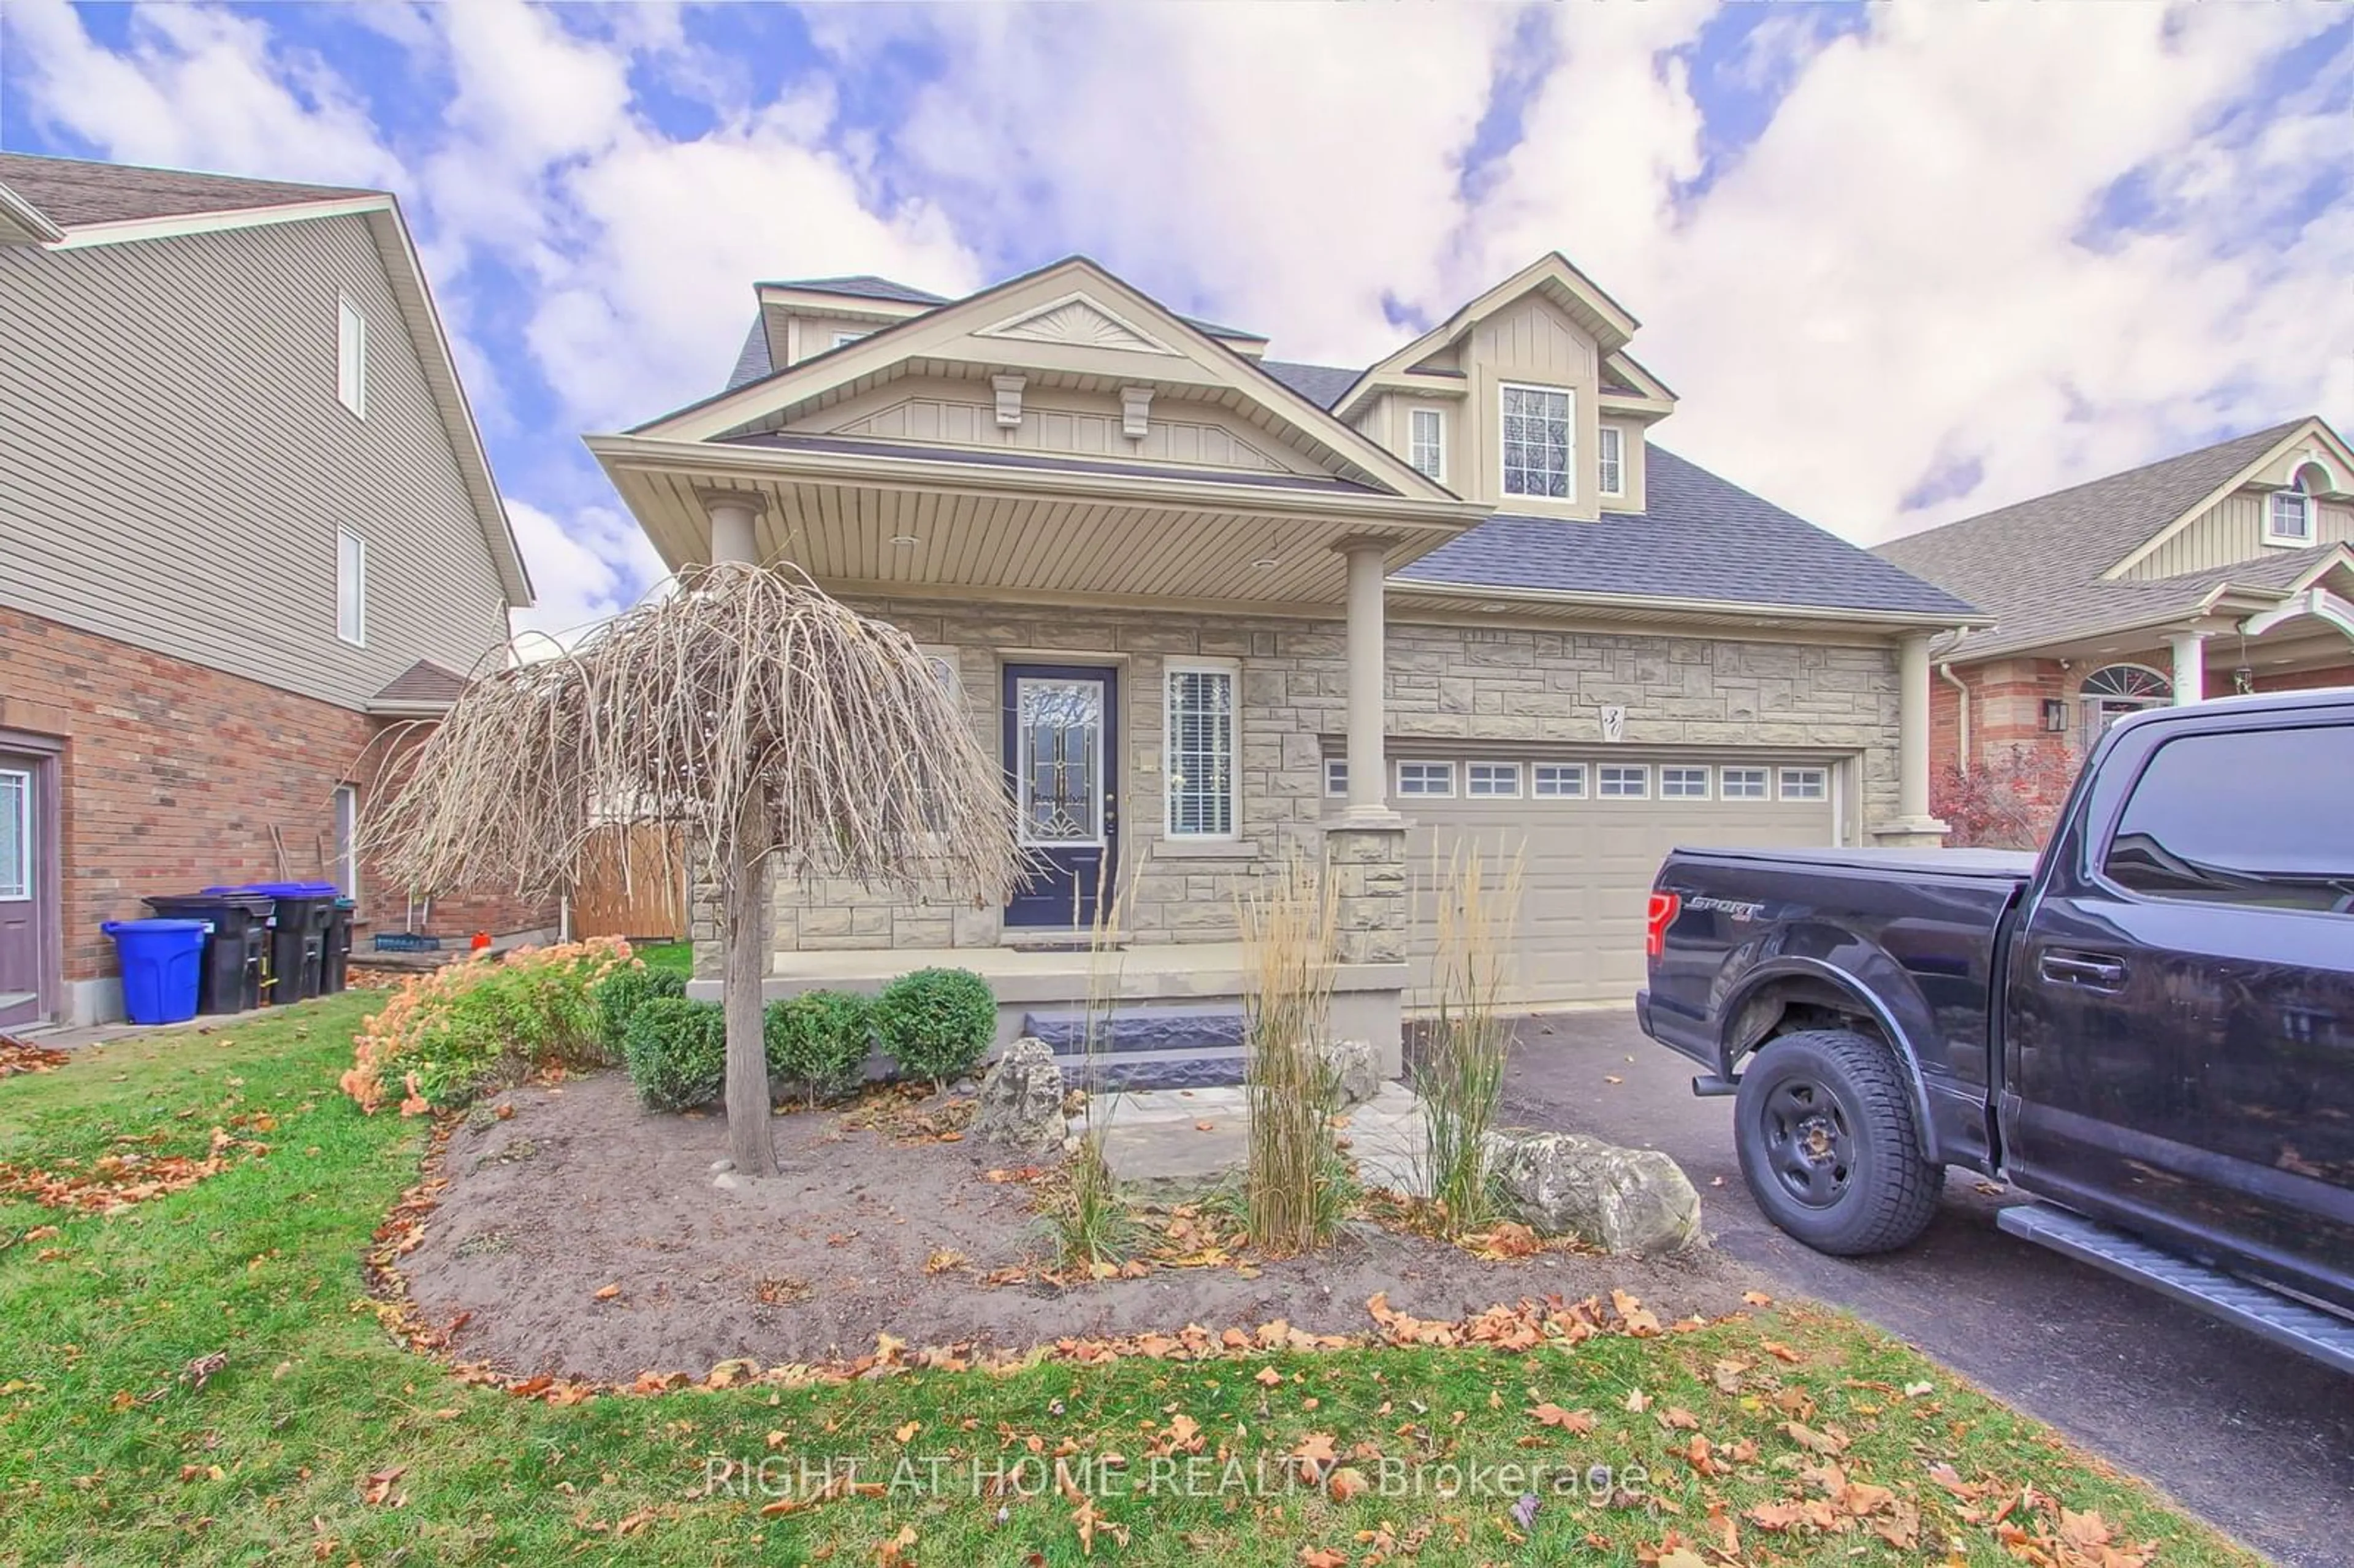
[(70, 192), (423, 682), (1699, 537), (1322, 385), (862, 286), (752, 360), (2036, 565)]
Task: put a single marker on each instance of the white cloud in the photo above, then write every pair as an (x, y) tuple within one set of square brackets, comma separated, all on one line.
[(594, 563)]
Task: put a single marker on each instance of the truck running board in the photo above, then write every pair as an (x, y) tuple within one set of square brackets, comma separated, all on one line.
[(2286, 1322)]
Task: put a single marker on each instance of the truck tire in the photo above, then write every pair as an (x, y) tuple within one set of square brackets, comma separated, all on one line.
[(1828, 1144)]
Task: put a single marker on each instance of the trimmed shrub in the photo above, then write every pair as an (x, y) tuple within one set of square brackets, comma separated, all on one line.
[(819, 1040), (937, 1023), (677, 1052), (625, 991), (465, 1029)]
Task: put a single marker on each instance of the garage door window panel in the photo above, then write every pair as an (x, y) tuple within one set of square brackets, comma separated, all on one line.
[(1426, 780), (1806, 784), (1560, 781), (1493, 780), (1622, 782), (1336, 777), (1744, 784), (1683, 783)]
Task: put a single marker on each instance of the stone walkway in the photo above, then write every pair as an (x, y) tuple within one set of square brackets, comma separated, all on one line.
[(1196, 1135)]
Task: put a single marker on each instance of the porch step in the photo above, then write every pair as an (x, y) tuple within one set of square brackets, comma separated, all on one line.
[(2283, 1319), (1145, 1047)]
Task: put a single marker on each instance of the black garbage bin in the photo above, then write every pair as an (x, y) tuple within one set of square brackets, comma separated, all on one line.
[(302, 912), (339, 947), (237, 930)]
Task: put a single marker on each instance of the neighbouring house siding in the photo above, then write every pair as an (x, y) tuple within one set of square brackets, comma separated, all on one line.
[(175, 776), (174, 464), (2230, 530), (1511, 688)]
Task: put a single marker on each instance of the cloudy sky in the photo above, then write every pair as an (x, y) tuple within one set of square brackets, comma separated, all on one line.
[(1904, 262)]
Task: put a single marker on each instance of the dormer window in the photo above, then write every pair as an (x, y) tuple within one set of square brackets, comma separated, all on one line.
[(1427, 442), (845, 339), (1610, 462), (1538, 449), (2288, 517)]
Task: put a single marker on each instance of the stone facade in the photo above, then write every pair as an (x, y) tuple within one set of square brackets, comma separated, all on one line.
[(1516, 687), (173, 776)]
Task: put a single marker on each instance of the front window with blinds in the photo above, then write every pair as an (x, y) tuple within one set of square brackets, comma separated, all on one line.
[(351, 356), (350, 588), (1610, 461), (1537, 445), (1427, 442), (1201, 751)]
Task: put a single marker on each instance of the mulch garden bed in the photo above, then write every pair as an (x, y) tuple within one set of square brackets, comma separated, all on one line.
[(579, 1237)]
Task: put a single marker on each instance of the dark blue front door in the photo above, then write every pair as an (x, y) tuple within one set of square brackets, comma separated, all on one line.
[(1062, 762)]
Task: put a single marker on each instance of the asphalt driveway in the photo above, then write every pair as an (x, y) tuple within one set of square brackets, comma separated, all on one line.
[(2256, 1440)]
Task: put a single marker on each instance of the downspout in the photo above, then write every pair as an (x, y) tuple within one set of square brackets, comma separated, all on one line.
[(1961, 713)]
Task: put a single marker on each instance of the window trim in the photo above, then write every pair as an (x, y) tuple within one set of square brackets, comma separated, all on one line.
[(1579, 769), (1398, 777), (1233, 671), (1642, 770), (1764, 782), (26, 891), (1436, 473), (2273, 534), (1569, 453), (347, 840), (845, 339), (1782, 783), (351, 334), (1514, 793), (1606, 461), (1330, 791), (356, 636), (1707, 780)]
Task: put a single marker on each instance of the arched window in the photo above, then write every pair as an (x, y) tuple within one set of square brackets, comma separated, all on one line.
[(2288, 519), (2111, 692)]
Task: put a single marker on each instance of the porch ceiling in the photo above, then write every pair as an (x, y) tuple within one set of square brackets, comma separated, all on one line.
[(1081, 531)]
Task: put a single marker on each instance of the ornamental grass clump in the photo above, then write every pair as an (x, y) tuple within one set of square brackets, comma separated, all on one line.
[(452, 1034), (1296, 1177), (1460, 1076)]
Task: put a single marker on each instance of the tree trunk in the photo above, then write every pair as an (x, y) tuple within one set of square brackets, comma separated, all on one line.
[(748, 911)]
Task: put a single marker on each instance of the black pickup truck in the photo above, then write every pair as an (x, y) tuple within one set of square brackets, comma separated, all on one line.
[(2148, 1029)]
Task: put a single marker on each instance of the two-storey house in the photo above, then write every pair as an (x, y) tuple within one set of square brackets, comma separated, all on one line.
[(245, 523)]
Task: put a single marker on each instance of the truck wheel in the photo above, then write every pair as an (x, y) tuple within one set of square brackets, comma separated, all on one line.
[(1825, 1129)]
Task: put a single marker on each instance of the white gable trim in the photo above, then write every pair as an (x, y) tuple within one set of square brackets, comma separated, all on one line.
[(1077, 317), (30, 220), (2316, 602), (84, 235), (2312, 432)]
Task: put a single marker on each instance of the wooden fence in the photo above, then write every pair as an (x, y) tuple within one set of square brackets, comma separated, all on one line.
[(632, 884)]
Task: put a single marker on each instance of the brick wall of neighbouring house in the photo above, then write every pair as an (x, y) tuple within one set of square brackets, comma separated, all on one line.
[(2006, 711), (174, 778), (1502, 684)]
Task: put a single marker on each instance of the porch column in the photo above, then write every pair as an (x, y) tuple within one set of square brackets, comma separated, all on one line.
[(1913, 826), (2189, 667), (735, 518), (1368, 781)]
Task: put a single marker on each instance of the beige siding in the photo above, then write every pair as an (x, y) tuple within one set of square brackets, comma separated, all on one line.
[(964, 413), (1631, 498), (175, 465), (806, 337), (1530, 342), (2230, 530)]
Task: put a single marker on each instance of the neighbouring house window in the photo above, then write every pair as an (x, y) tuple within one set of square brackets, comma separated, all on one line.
[(2114, 691), (1426, 778), (1427, 442), (15, 834), (1623, 783), (1741, 783), (1537, 445), (350, 588), (845, 339), (351, 356), (1493, 780), (347, 823), (1683, 783), (2289, 520), (1804, 784), (1336, 775), (1201, 746), (1560, 781), (1610, 461)]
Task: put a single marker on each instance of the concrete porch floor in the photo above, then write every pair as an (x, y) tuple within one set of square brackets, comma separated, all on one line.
[(1196, 1135)]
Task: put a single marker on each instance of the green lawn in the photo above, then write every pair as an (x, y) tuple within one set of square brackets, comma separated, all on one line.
[(676, 957), (319, 1439)]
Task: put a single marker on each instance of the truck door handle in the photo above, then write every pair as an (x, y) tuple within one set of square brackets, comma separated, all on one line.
[(2093, 971)]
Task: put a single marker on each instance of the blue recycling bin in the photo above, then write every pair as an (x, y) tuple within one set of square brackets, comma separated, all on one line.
[(160, 960)]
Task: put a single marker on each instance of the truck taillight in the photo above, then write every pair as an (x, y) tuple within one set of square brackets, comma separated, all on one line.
[(1662, 915)]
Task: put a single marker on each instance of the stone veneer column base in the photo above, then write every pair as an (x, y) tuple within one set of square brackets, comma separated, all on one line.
[(1367, 865), (1910, 832)]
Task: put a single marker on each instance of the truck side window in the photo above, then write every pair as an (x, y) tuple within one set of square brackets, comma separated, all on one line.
[(2251, 817)]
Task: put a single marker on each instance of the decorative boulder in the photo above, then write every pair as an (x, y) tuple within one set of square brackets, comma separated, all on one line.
[(1021, 1099), (1620, 1200), (1348, 1066)]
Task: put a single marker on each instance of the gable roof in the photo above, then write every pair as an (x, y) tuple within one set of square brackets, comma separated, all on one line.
[(424, 685), (866, 286), (1699, 537), (1322, 385), (90, 203), (2038, 566)]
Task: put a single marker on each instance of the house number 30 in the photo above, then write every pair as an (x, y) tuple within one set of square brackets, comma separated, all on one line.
[(1614, 724)]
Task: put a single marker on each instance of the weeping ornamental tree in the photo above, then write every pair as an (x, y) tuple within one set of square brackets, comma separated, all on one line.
[(759, 720)]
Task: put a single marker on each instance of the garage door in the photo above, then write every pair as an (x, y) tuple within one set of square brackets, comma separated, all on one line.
[(1591, 833)]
